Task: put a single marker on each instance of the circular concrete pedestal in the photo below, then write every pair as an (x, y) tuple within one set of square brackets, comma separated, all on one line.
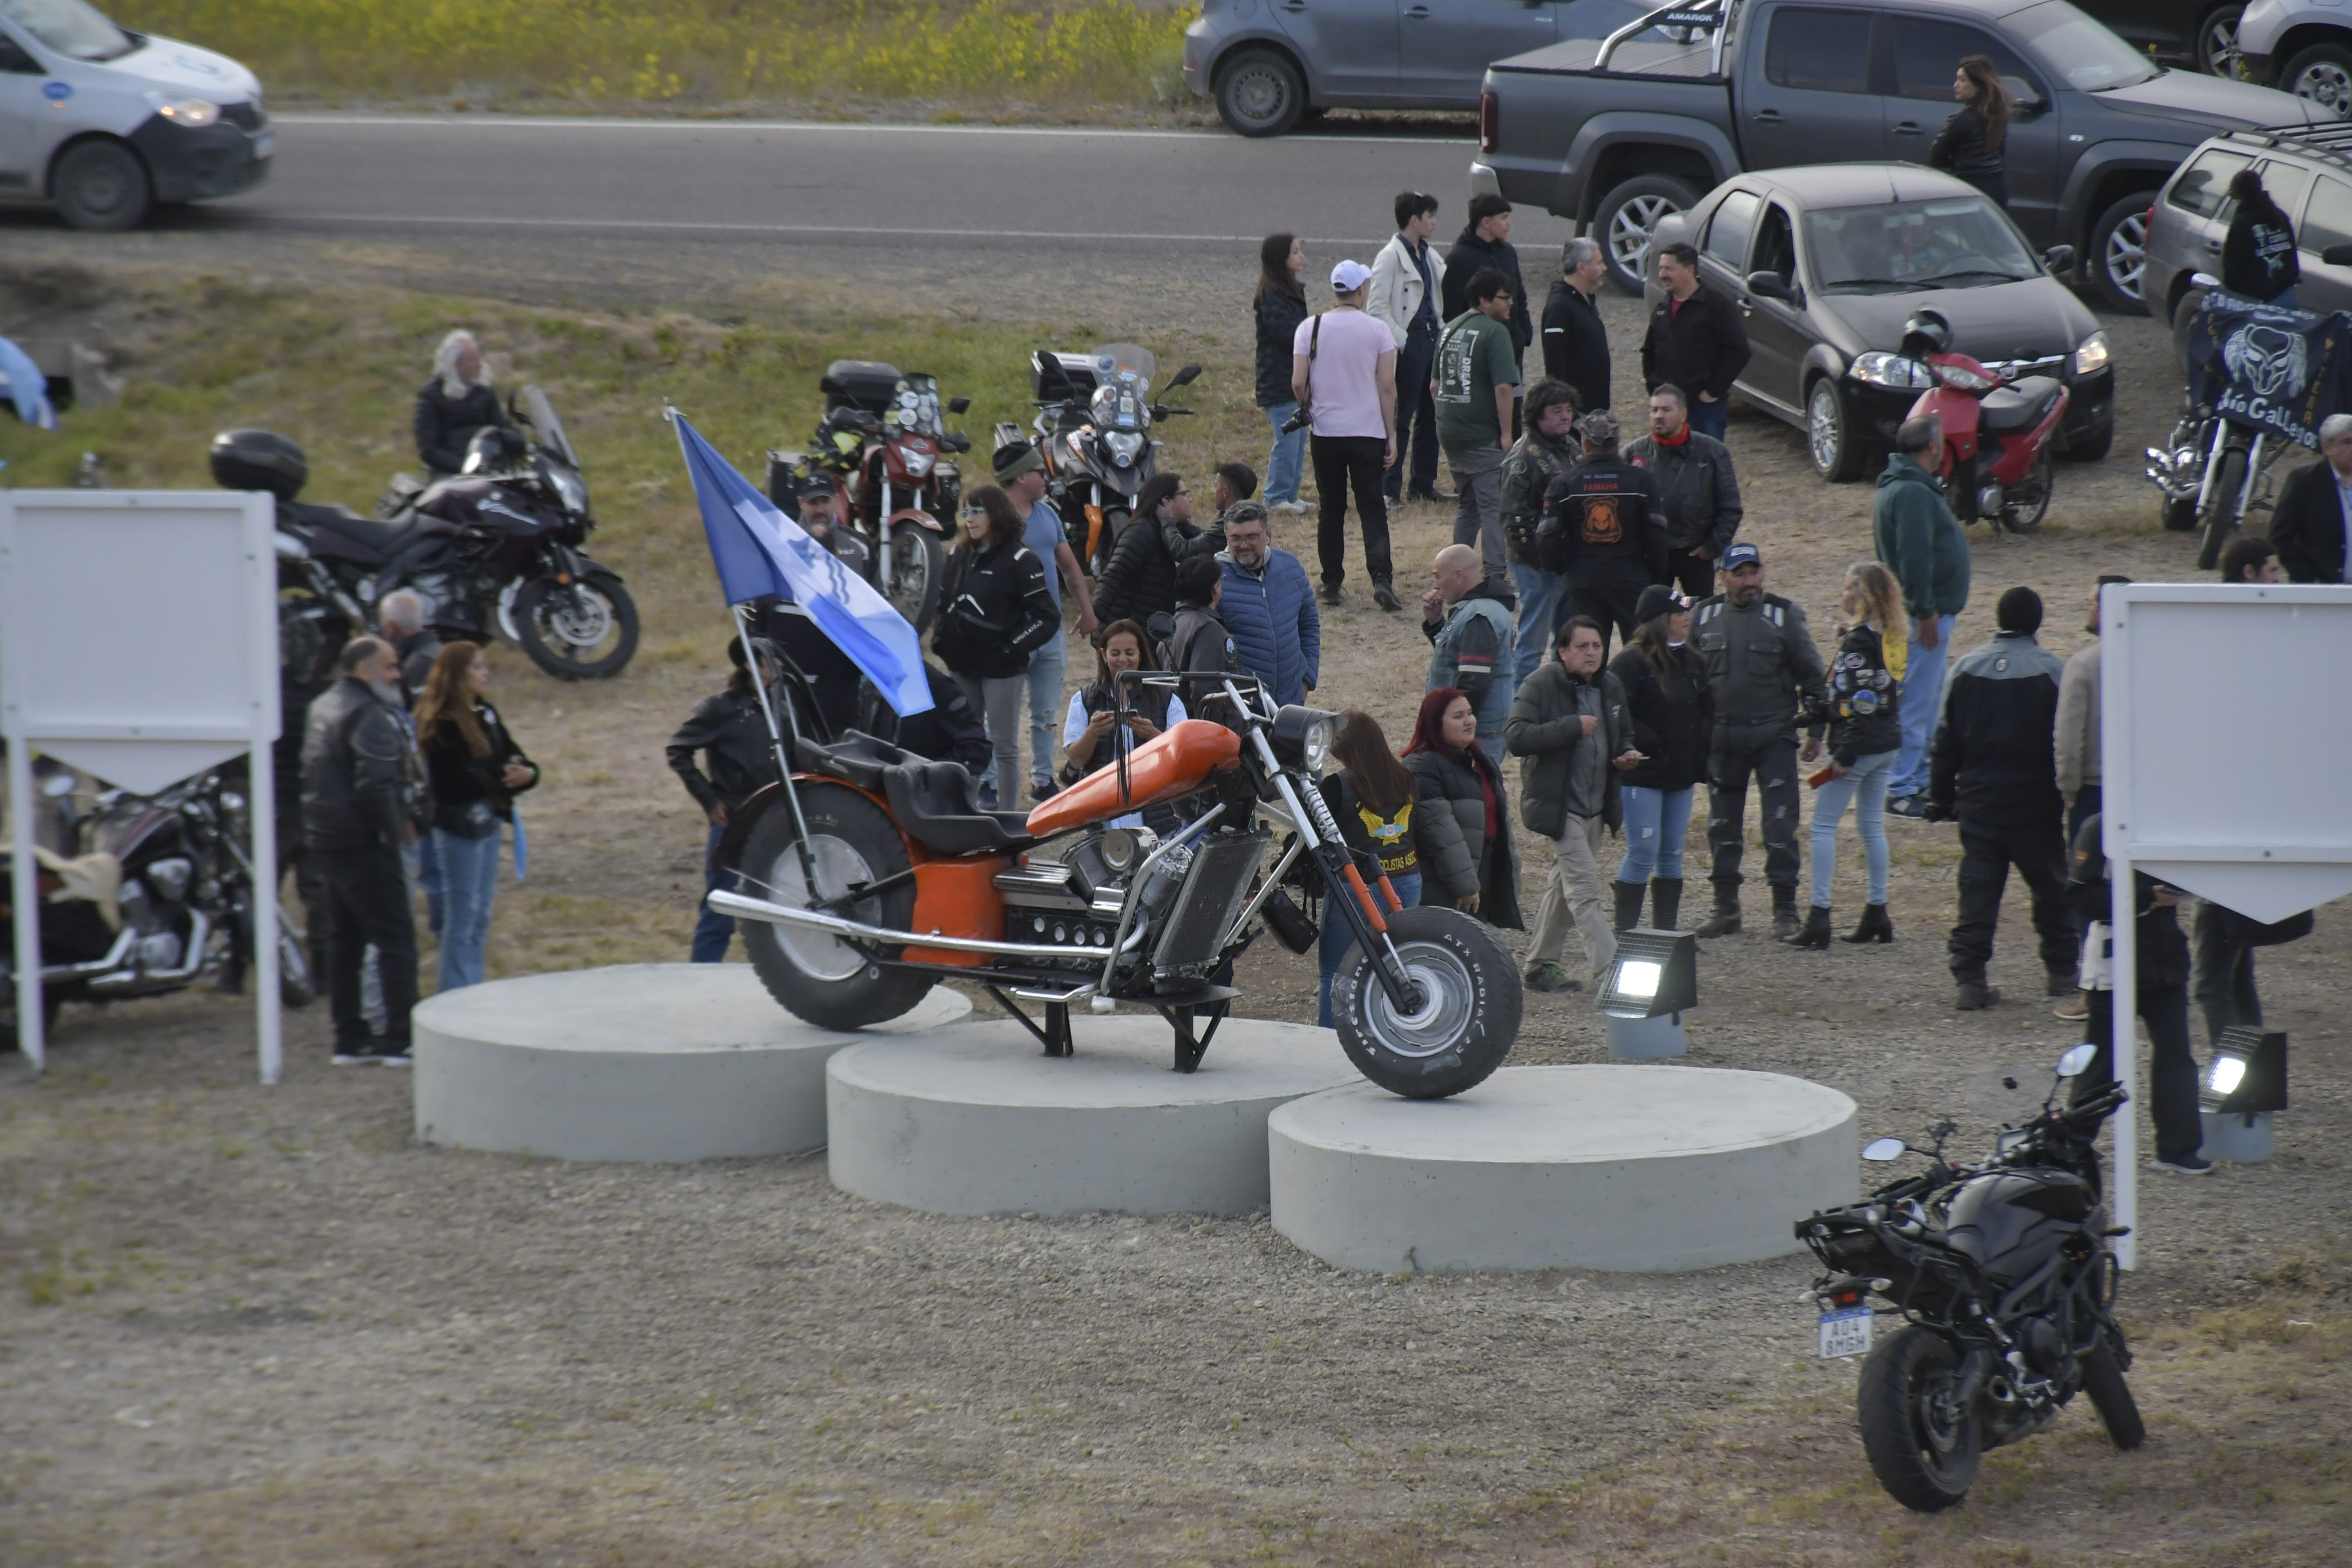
[(976, 1120), (641, 1061), (1637, 1169)]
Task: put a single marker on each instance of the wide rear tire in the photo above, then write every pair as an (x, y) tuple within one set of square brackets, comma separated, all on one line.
[(1468, 1022), (2111, 1397), (1926, 1461), (816, 978)]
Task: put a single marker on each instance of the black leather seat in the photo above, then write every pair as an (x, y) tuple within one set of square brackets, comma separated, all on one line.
[(2019, 406), (932, 801), (339, 534)]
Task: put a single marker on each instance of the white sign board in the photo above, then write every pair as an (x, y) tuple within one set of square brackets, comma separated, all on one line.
[(138, 642), (2226, 739)]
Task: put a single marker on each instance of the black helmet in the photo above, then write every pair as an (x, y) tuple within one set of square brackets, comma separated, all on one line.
[(1926, 333), (259, 460), (495, 449)]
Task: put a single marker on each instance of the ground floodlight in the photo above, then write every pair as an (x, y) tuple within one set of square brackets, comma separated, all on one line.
[(2248, 1073), (1655, 973)]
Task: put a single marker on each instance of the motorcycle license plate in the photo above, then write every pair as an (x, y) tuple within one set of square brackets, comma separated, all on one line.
[(1845, 1331)]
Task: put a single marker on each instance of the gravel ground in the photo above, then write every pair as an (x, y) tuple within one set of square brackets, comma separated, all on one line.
[(255, 1326)]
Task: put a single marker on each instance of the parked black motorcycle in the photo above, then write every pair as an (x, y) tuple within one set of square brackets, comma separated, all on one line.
[(182, 905), (500, 547), (1093, 429), (2003, 1275)]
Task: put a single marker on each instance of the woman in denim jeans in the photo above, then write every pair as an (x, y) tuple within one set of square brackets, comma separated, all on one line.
[(1865, 732), (475, 771), (1281, 305), (1673, 708)]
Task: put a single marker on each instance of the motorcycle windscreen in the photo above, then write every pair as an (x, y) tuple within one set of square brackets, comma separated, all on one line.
[(1172, 763)]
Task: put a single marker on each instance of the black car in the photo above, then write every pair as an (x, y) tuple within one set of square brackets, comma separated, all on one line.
[(1826, 262)]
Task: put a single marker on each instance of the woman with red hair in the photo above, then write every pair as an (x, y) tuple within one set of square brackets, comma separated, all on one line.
[(1462, 813)]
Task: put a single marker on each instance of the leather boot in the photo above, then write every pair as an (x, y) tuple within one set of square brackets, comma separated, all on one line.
[(1784, 912), (1816, 932), (1665, 901), (1874, 926), (1628, 904), (1725, 922)]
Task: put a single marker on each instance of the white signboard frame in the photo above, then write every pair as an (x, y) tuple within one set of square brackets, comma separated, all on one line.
[(2226, 737), (139, 642)]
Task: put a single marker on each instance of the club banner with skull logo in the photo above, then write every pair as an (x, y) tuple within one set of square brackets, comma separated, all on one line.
[(2282, 369)]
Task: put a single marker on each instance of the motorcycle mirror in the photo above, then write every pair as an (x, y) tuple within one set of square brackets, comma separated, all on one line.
[(1881, 1150), (1189, 373), (2078, 1062), (958, 405), (56, 785)]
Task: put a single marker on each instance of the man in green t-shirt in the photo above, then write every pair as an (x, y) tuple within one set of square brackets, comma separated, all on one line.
[(1476, 382)]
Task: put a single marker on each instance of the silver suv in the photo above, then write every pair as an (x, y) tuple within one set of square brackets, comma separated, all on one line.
[(2302, 46), (2307, 170)]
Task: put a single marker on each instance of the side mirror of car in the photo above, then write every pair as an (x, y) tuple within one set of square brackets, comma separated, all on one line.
[(2059, 258), (1770, 285), (2338, 256), (958, 405)]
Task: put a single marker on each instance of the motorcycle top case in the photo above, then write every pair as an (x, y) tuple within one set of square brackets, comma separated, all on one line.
[(2009, 1221), (1061, 377), (259, 460), (860, 383)]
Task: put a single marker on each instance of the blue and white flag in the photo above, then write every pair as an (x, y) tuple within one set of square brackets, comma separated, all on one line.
[(760, 552), (22, 382)]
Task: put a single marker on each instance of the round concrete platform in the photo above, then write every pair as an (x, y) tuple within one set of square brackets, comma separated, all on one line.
[(1635, 1168), (641, 1061), (976, 1120)]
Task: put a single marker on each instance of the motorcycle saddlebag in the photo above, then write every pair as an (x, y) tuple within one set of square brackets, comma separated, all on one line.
[(859, 384), (259, 460)]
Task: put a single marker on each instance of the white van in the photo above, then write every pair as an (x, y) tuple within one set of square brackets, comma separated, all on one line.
[(105, 121)]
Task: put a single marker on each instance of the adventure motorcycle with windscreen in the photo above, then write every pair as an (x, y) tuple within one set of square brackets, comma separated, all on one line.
[(1094, 429), (870, 875)]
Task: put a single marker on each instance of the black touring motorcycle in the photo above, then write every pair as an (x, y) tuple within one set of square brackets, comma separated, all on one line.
[(2002, 1273)]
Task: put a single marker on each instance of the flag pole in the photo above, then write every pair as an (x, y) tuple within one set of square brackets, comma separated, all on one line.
[(783, 753)]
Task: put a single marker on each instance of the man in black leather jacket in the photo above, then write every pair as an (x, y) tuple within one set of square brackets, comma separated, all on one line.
[(359, 786), (457, 401)]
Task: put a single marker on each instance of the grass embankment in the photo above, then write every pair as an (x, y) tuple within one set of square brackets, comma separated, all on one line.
[(1088, 57)]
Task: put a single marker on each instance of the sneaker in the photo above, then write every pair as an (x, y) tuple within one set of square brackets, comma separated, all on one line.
[(1550, 977), (350, 1058), (1434, 496), (399, 1058), (2183, 1165), (1042, 793), (2078, 1011), (1330, 592), (1386, 597), (1907, 805), (985, 797)]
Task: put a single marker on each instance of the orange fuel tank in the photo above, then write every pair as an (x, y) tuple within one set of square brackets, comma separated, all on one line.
[(1171, 764)]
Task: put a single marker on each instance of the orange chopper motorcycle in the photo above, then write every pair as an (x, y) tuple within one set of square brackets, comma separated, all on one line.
[(870, 873)]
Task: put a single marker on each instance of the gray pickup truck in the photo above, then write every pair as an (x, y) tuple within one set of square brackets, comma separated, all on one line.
[(1615, 135)]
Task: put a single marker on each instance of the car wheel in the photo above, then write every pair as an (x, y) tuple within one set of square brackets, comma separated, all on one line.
[(2217, 42), (1828, 433), (2322, 75), (1260, 94), (101, 186), (2119, 253), (1626, 218)]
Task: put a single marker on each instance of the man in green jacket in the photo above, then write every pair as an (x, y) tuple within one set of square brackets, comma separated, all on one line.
[(1571, 723), (1919, 540)]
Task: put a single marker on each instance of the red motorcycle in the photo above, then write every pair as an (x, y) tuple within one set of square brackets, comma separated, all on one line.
[(1998, 461), (884, 441)]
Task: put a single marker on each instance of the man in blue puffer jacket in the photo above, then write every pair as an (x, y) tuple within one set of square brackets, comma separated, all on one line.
[(1268, 607)]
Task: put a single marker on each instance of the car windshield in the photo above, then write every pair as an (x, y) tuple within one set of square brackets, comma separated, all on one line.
[(2088, 57), (1952, 242), (70, 27)]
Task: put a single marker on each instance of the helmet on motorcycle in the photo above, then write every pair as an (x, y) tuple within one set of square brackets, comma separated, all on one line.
[(495, 449), (1926, 333)]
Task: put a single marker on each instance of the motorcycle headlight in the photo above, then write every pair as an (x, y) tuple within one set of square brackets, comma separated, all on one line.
[(1302, 736), (2091, 354), (1890, 370), (570, 490), (195, 114), (918, 463), (1124, 445), (1964, 378)]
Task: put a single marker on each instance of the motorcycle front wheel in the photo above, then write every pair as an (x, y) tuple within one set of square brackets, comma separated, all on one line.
[(911, 577), (2111, 1397), (1469, 1015), (1923, 1452), (818, 978), (582, 630), (2218, 516)]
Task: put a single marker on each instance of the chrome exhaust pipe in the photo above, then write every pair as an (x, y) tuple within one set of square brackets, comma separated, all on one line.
[(743, 907)]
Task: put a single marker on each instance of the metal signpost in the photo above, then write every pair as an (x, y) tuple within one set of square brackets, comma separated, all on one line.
[(2226, 736), (139, 642)]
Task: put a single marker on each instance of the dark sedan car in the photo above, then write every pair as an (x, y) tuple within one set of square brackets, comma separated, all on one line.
[(1826, 263)]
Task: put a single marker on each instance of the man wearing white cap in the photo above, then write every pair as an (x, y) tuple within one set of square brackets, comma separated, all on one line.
[(1343, 372)]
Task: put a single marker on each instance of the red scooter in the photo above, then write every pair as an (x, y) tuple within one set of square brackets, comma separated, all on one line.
[(1997, 461)]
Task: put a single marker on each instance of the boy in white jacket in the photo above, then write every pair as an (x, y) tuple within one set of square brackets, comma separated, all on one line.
[(1408, 282)]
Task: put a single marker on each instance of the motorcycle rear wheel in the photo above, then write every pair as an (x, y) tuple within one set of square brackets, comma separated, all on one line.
[(1925, 1458), (2111, 1397), (2023, 508), (585, 630), (2218, 516), (817, 978), (1469, 1018), (911, 577)]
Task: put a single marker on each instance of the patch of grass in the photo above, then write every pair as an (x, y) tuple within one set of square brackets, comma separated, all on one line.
[(680, 56)]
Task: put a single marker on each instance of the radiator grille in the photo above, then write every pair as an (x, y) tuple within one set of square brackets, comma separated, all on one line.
[(1204, 908)]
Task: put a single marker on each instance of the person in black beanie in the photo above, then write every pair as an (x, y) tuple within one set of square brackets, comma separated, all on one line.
[(1995, 771)]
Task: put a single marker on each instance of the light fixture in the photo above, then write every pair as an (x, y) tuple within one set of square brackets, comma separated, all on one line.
[(1644, 990), (2244, 1084)]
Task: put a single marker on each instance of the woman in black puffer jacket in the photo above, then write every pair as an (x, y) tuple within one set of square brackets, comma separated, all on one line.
[(1866, 731), (1673, 708), (1461, 814), (1281, 307), (1140, 580), (994, 612)]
